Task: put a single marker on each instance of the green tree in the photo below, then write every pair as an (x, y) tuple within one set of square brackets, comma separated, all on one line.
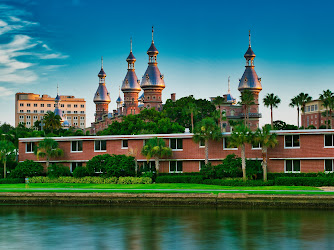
[(303, 99), (266, 140), (240, 136), (7, 149), (327, 97), (271, 101), (156, 148), (207, 130), (247, 100), (218, 101), (295, 102), (52, 121), (191, 110), (27, 168), (48, 148)]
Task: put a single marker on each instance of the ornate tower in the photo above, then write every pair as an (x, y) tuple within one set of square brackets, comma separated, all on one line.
[(119, 103), (102, 96), (57, 110), (251, 82), (130, 86), (153, 81)]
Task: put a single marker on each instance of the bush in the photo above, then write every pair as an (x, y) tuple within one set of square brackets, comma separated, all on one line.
[(97, 164), (304, 181), (80, 172), (27, 168), (237, 182), (254, 169), (181, 174), (68, 179), (134, 180), (179, 179), (273, 176), (11, 181), (208, 171), (57, 170)]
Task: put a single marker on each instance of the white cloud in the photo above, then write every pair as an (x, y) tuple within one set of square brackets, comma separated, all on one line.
[(5, 92)]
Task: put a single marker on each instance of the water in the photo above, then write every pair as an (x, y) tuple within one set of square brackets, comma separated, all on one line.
[(23, 227)]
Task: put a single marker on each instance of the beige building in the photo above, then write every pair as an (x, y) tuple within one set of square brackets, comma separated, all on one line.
[(30, 107)]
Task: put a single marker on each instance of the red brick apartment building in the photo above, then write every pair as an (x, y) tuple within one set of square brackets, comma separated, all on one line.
[(297, 151)]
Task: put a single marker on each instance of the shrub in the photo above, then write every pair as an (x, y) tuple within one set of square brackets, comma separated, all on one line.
[(322, 127), (273, 176), (254, 169), (27, 168), (11, 181), (134, 180), (68, 179), (57, 170), (97, 164), (80, 172), (208, 171), (179, 179), (181, 174), (238, 182), (304, 181)]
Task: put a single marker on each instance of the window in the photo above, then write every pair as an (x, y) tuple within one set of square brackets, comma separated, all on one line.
[(68, 105), (42, 105), (226, 144), (148, 166), (256, 146), (69, 118), (75, 105), (35, 111), (28, 123), (82, 124), (75, 118), (74, 165), (82, 112), (28, 117), (21, 116), (328, 166), (82, 118), (316, 107), (202, 143), (292, 166), (329, 140), (82, 106), (68, 112), (308, 108), (28, 111), (49, 105), (291, 141), (35, 117), (312, 108), (76, 146), (75, 112), (62, 105), (42, 111), (21, 104), (176, 144), (35, 104), (175, 167), (125, 143), (28, 104), (30, 147), (100, 145), (21, 111), (201, 164)]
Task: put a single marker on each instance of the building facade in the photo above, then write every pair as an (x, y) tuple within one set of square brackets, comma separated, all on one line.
[(315, 114), (30, 107), (297, 151)]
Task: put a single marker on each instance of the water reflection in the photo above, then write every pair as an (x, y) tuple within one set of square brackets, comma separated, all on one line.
[(163, 228)]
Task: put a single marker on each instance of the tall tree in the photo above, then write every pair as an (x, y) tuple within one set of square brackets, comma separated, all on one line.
[(218, 101), (271, 101), (156, 148), (247, 99), (7, 149), (266, 140), (48, 148), (191, 110), (303, 99), (52, 121), (239, 137), (207, 130), (327, 102), (295, 103)]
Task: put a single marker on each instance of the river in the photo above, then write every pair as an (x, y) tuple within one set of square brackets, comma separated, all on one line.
[(34, 227)]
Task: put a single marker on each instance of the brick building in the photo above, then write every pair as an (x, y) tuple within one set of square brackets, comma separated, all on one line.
[(297, 151), (314, 111)]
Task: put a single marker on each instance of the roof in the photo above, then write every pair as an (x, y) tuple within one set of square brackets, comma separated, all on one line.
[(66, 123), (102, 73), (131, 82), (250, 80), (102, 94), (119, 99), (249, 52), (229, 98), (131, 57), (57, 99), (152, 77), (59, 112), (152, 49)]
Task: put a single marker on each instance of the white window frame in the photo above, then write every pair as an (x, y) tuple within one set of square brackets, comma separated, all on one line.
[(122, 147), (332, 141), (100, 141), (77, 147), (201, 146), (325, 166), (292, 147), (225, 148), (199, 163), (176, 139), (32, 148), (76, 163), (259, 148), (300, 166), (176, 167)]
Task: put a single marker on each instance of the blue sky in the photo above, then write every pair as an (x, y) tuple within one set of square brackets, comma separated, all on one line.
[(201, 43)]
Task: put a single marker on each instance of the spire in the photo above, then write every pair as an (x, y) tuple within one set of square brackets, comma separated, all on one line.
[(152, 33), (102, 74), (130, 44), (229, 89), (249, 38), (101, 62), (57, 88)]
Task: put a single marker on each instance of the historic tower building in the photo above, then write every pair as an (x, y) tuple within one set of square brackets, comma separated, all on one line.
[(102, 96), (131, 87), (250, 81), (153, 81)]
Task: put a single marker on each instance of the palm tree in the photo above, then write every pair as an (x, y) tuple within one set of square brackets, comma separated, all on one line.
[(295, 103), (327, 102), (240, 136), (218, 101), (52, 121), (7, 149), (207, 130), (303, 99), (266, 140), (192, 110), (156, 148), (247, 99), (48, 148), (271, 101)]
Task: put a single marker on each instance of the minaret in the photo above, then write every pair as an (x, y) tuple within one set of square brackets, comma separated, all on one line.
[(153, 81), (251, 82), (57, 110), (130, 86), (102, 96), (229, 98), (119, 103)]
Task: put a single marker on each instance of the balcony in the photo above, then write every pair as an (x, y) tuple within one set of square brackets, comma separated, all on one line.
[(242, 116)]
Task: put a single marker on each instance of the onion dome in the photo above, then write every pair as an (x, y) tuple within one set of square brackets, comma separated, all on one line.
[(249, 53), (152, 49), (131, 57), (119, 100), (102, 73), (57, 99), (102, 95)]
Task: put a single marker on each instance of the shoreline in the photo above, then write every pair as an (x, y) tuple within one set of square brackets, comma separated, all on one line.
[(168, 199)]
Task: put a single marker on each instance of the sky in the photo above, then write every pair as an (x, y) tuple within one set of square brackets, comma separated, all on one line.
[(200, 43)]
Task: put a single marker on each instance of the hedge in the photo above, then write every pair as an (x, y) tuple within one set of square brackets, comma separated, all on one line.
[(92, 180), (273, 176), (181, 174), (11, 180), (179, 179), (304, 181), (238, 182)]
